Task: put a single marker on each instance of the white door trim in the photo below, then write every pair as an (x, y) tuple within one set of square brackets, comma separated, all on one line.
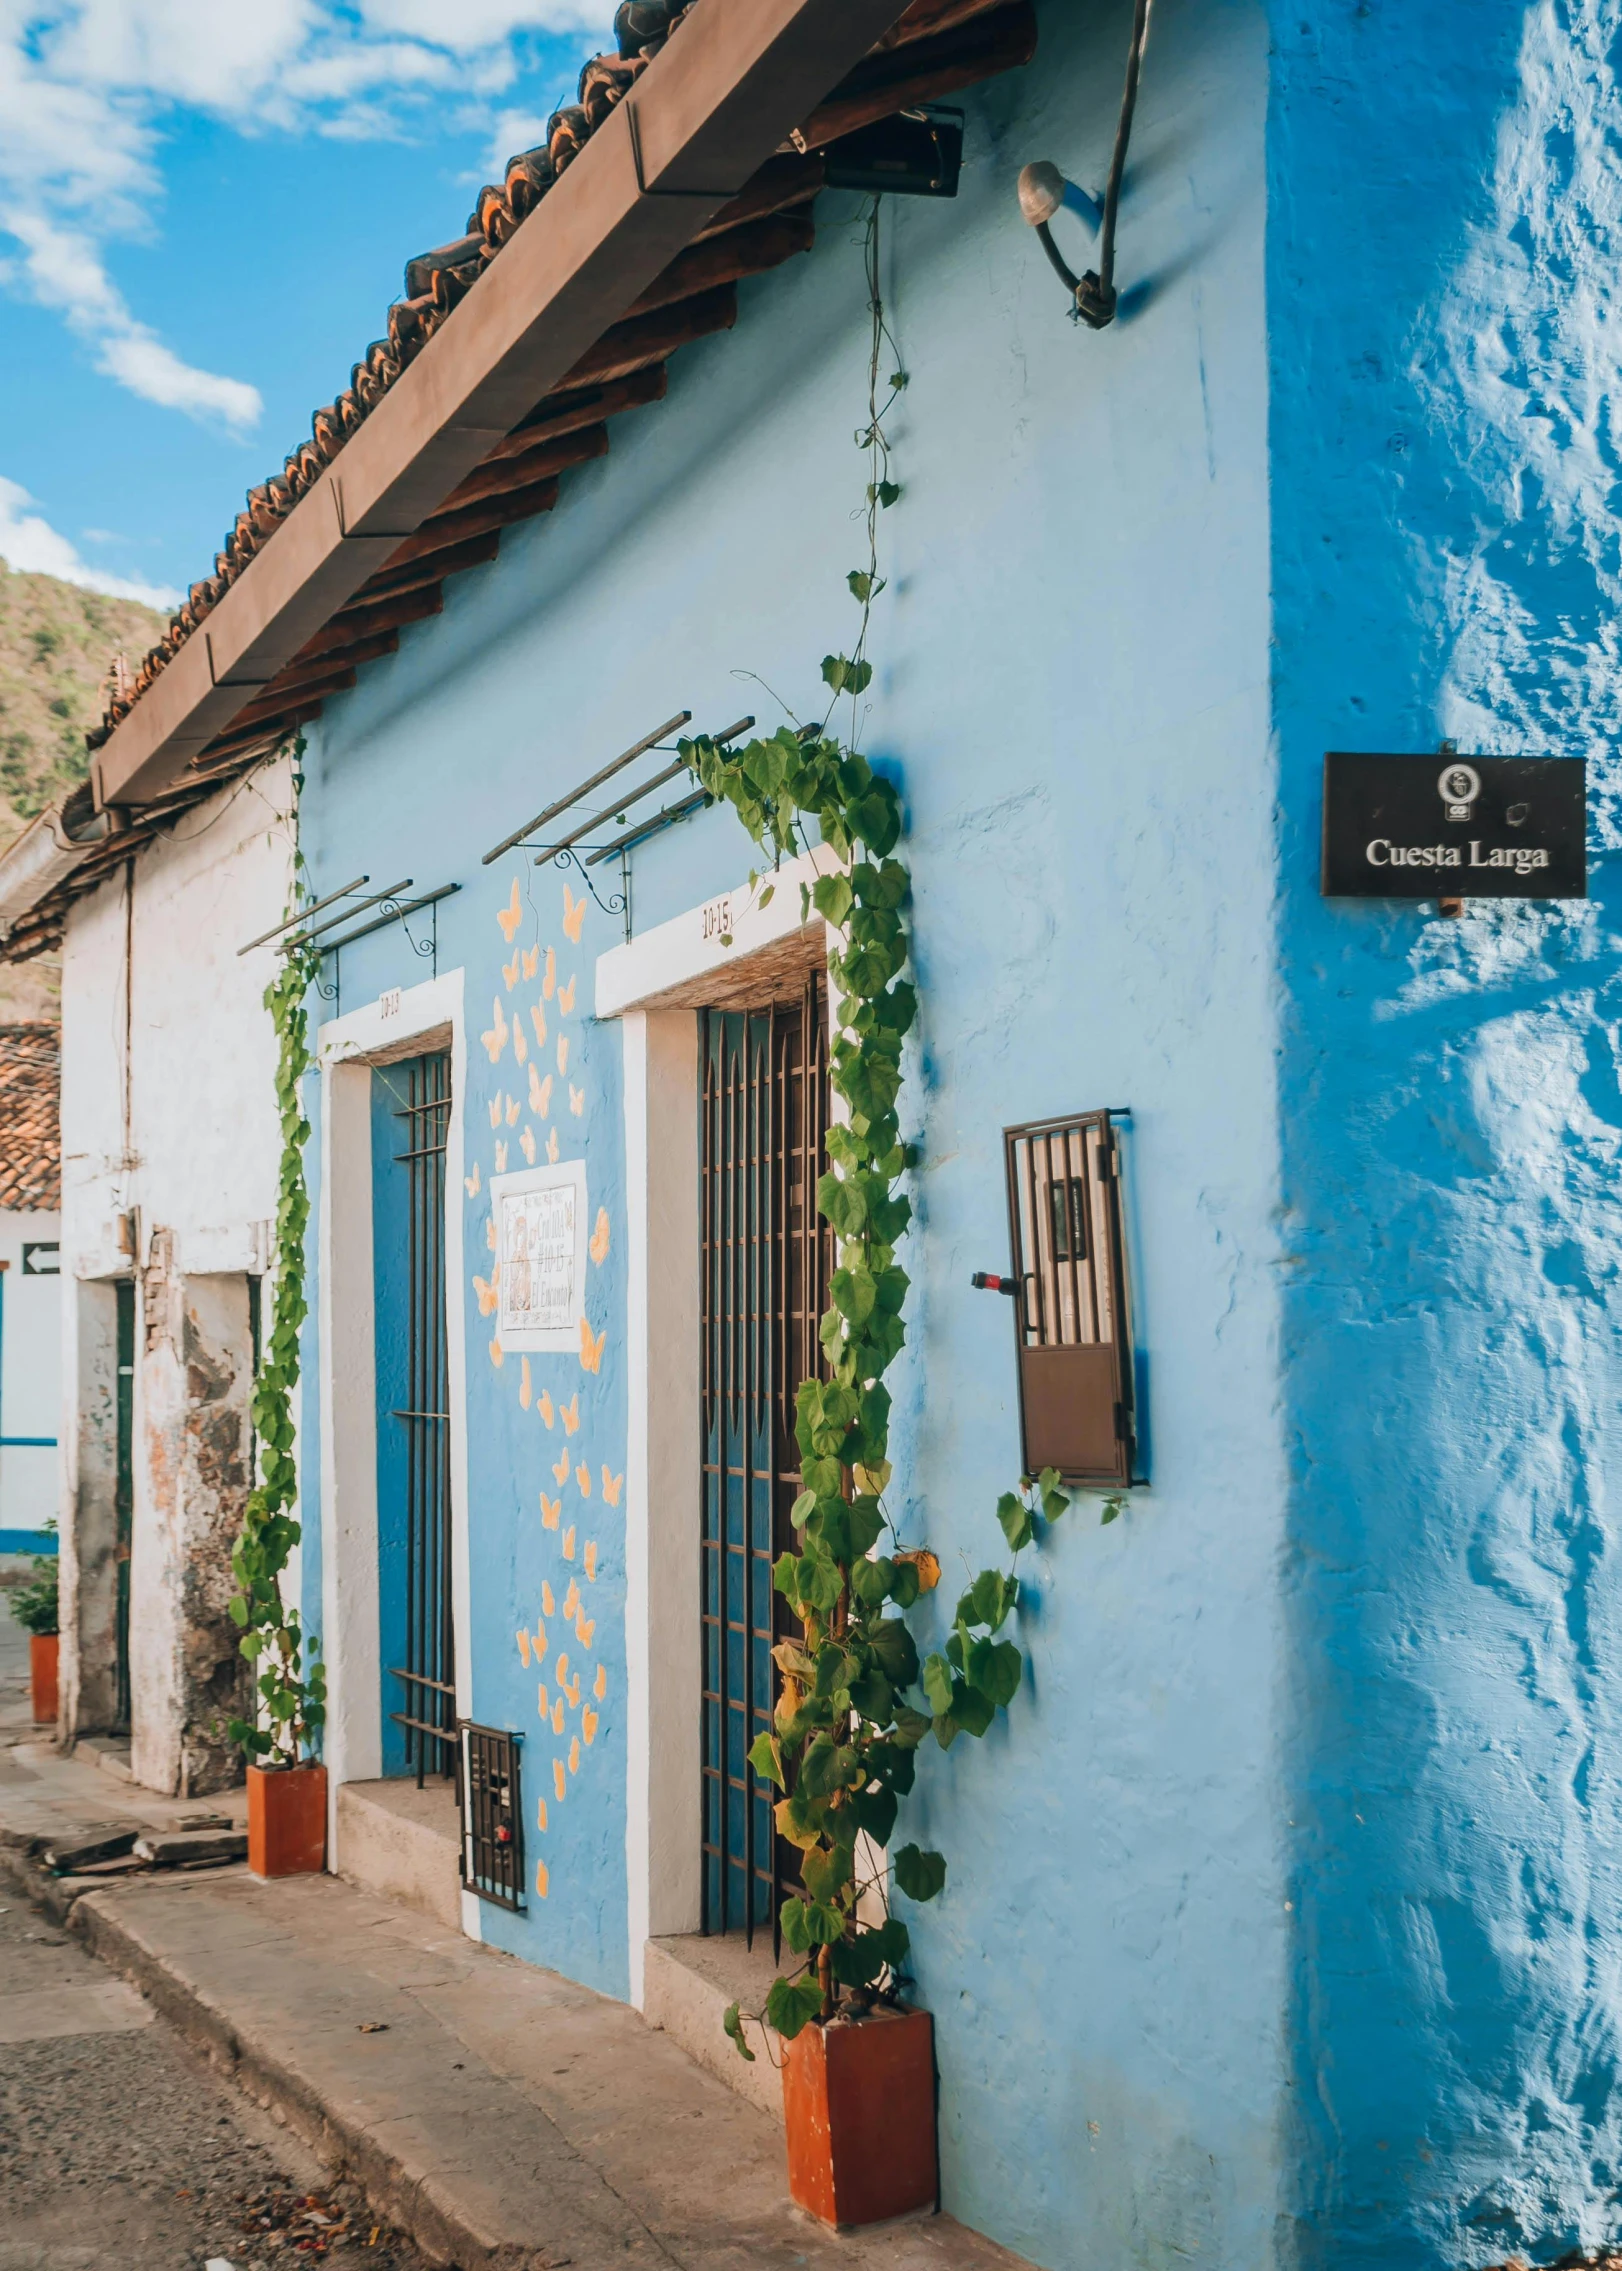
[(399, 1024)]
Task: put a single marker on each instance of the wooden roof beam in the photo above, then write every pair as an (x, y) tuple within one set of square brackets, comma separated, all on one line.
[(701, 120)]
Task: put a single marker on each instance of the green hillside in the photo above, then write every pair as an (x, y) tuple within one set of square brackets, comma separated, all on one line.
[(56, 642)]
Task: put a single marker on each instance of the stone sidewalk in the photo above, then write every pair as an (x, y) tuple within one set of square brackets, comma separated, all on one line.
[(497, 2114)]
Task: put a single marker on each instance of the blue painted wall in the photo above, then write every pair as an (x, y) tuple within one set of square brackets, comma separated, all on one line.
[(1443, 241)]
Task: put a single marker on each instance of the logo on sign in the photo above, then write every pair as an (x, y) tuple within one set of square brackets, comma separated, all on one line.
[(1458, 788)]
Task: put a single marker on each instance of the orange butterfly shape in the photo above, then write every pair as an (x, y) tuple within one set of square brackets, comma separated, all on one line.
[(543, 1875), (577, 1100), (612, 1486), (591, 1560), (568, 1543), (552, 1147), (487, 1291), (588, 1724), (490, 1232), (495, 1040), (574, 1756), (563, 1052), (598, 1249), (571, 1601), (537, 1018), (582, 1476), (470, 1183), (591, 1346), (496, 1103), (557, 1715), (513, 1108), (526, 1144), (539, 1643), (511, 915), (497, 1354), (551, 1608), (501, 1159), (584, 1628), (566, 999), (523, 1384), (540, 1821), (509, 971), (544, 1407), (540, 1092), (574, 913), (532, 960), (560, 1472), (551, 1512), (523, 1648), (549, 984), (569, 1413), (543, 1702), (559, 1779), (599, 1686), (520, 1045), (563, 1673)]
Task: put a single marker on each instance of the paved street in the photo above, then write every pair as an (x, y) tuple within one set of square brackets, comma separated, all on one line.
[(119, 2150)]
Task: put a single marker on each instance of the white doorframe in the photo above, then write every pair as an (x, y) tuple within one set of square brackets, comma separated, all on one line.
[(652, 984), (401, 1024)]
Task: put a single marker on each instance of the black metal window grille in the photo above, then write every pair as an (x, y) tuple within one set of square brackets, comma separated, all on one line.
[(765, 1261), (492, 1815), (1074, 1339), (428, 1674), (123, 1494)]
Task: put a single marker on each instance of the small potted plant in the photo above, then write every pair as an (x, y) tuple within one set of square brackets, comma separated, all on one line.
[(34, 1605), (287, 1785)]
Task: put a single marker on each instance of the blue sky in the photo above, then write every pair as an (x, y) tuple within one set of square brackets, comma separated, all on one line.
[(205, 209)]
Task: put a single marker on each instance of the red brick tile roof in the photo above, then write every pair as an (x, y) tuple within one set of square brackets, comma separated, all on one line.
[(30, 1118)]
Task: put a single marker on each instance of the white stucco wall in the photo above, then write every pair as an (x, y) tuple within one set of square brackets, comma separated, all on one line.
[(169, 1157), (30, 1374)]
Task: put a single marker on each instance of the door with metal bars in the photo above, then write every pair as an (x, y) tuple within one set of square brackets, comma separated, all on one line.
[(412, 1109), (765, 1261)]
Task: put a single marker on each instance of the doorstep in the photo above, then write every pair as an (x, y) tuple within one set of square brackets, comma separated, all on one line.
[(688, 1982), (499, 2114), (402, 1843)]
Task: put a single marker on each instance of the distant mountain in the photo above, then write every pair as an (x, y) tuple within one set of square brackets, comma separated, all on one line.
[(56, 642)]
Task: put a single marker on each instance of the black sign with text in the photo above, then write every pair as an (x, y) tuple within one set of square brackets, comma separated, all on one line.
[(1454, 827)]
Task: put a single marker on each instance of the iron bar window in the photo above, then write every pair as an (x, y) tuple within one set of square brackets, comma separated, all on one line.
[(765, 1262), (428, 1675)]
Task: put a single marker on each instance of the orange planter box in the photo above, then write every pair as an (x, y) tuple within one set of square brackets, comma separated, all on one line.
[(287, 1820), (44, 1649), (859, 2104)]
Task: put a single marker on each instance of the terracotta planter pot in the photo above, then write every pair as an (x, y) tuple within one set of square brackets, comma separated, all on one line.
[(287, 1820), (859, 2103), (43, 1649)]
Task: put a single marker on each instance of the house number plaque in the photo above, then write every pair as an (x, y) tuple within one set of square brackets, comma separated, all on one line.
[(1447, 826)]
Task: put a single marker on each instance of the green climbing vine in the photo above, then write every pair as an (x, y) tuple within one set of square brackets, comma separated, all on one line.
[(289, 1678), (856, 1699)]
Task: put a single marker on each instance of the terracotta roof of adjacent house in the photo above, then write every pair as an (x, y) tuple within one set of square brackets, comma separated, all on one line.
[(935, 49), (30, 1118)]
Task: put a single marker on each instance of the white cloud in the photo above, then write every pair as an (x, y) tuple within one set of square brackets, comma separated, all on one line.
[(88, 87), (31, 545), (63, 272)]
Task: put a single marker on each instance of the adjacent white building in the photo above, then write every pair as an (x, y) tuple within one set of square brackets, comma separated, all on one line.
[(169, 1157), (30, 1283)]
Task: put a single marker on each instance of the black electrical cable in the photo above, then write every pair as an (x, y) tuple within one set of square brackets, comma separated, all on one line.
[(1095, 292)]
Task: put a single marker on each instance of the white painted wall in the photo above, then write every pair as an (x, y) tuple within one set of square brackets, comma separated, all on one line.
[(30, 1373), (168, 1117)]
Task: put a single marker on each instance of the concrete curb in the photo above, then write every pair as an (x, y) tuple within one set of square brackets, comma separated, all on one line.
[(410, 2198)]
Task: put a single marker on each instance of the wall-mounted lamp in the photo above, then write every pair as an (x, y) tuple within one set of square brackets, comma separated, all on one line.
[(1043, 191)]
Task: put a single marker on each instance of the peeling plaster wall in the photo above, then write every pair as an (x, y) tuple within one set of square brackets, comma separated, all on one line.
[(1446, 224), (193, 1159)]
